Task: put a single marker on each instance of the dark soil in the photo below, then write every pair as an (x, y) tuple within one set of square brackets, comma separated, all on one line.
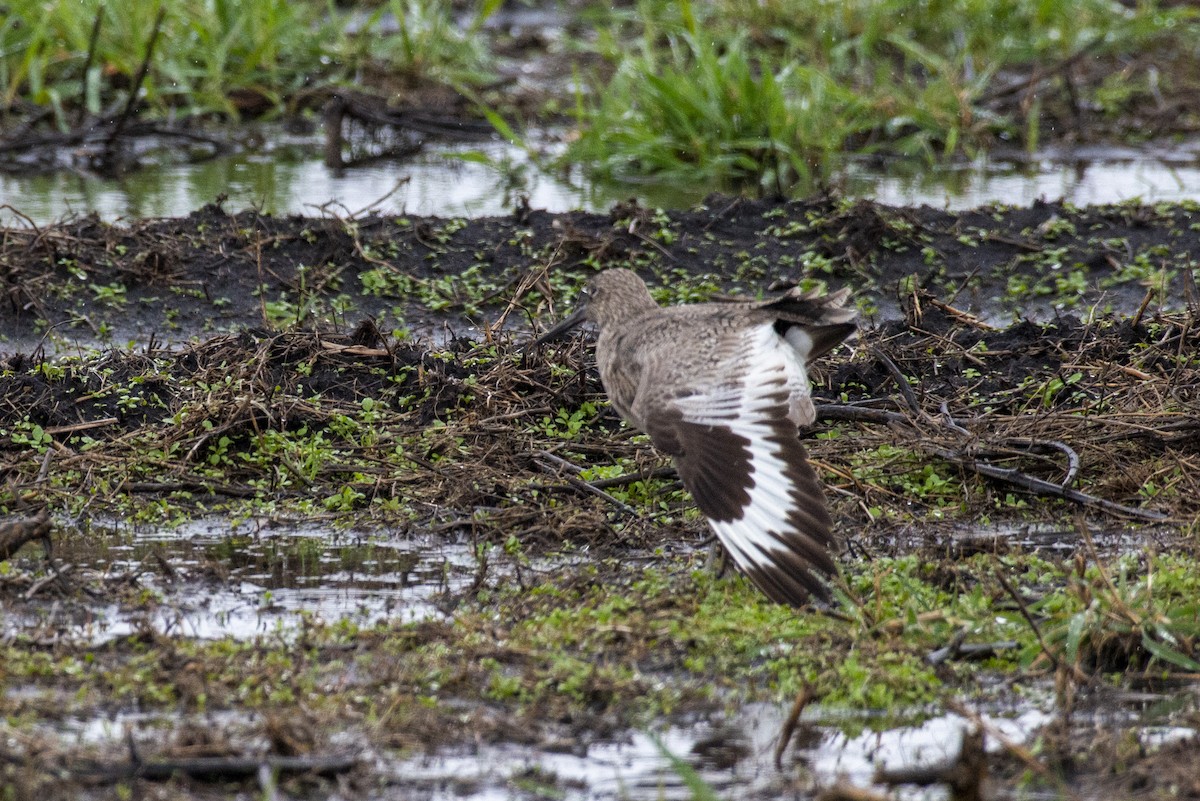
[(211, 272)]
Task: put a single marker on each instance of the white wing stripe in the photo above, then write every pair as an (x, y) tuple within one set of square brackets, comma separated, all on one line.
[(744, 406)]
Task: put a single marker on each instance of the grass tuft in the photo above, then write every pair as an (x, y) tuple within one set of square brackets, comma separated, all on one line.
[(774, 94), (224, 57), (705, 111)]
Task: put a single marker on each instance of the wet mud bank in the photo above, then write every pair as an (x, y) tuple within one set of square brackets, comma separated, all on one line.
[(211, 272), (290, 529)]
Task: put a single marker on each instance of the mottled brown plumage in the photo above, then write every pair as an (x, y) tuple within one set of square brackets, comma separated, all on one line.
[(722, 387)]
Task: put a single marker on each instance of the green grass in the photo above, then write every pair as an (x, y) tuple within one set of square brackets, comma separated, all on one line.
[(210, 53), (643, 644), (710, 111), (205, 52), (427, 43), (769, 95), (773, 93), (1125, 615)]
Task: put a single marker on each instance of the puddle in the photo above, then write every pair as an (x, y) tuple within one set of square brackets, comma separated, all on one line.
[(930, 744), (1050, 539), (210, 579), (285, 179), (734, 756), (282, 181), (213, 577), (1083, 178)]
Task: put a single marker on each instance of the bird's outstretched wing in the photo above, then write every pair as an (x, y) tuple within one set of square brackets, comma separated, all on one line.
[(741, 458)]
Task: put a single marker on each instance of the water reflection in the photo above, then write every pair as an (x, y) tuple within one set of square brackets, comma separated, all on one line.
[(1082, 183), (487, 178), (459, 181), (213, 578), (635, 768)]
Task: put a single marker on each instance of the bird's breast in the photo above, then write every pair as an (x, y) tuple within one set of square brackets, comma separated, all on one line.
[(620, 366)]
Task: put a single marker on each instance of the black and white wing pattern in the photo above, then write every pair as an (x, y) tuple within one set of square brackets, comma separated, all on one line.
[(740, 455)]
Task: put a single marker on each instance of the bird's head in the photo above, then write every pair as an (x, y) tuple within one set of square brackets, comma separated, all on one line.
[(612, 297)]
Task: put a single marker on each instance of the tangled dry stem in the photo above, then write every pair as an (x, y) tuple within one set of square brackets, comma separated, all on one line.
[(469, 437)]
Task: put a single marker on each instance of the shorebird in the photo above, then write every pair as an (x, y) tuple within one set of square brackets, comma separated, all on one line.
[(723, 388)]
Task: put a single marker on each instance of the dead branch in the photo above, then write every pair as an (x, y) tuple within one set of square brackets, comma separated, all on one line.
[(585, 487), (803, 699), (969, 650), (1039, 486), (963, 458), (136, 87), (15, 533), (1040, 75)]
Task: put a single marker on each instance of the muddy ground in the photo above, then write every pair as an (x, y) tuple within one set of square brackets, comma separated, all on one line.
[(171, 279), (1020, 407)]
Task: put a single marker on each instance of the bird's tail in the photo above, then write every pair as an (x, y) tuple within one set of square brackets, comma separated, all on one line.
[(825, 318)]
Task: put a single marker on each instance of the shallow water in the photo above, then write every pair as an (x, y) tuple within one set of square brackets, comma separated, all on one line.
[(211, 578), (1092, 177), (488, 178), (214, 577), (733, 755)]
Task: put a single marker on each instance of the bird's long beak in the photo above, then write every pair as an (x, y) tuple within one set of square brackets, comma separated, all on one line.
[(577, 317)]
